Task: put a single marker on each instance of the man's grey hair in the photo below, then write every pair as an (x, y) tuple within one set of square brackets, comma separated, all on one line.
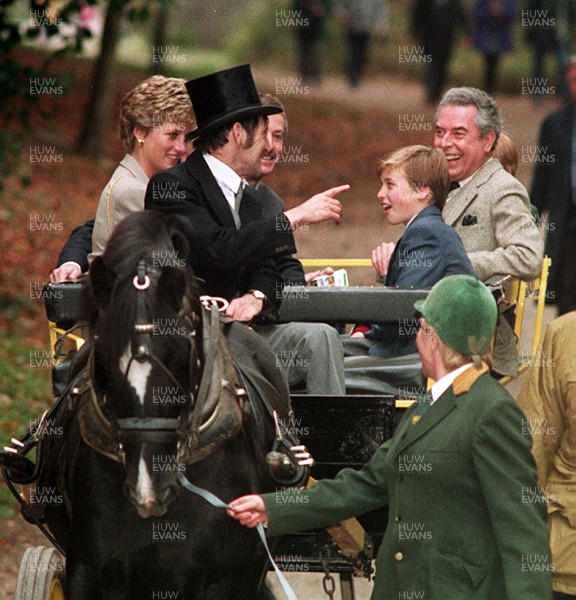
[(488, 117)]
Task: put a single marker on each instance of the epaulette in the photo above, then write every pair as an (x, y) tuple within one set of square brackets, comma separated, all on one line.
[(465, 381)]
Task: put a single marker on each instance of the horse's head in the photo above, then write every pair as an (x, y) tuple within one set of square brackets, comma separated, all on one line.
[(147, 358)]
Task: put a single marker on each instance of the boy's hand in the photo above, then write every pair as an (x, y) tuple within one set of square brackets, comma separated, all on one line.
[(326, 271), (381, 257), (249, 510)]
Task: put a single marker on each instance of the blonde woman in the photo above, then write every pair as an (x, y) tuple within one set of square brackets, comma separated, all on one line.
[(154, 119)]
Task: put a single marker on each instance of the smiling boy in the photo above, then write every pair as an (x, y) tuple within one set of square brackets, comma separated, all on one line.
[(415, 183)]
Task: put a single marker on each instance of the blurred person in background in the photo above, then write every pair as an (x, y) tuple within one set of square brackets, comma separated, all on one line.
[(548, 399), (507, 153), (549, 26), (361, 18), (310, 23), (492, 34), (435, 24), (554, 192)]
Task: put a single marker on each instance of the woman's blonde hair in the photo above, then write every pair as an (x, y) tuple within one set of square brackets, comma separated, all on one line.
[(423, 166), (452, 359), (155, 101)]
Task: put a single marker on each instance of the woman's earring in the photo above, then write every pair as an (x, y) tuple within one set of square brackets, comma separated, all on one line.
[(140, 141)]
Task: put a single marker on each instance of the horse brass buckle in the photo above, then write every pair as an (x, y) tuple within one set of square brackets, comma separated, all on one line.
[(141, 286)]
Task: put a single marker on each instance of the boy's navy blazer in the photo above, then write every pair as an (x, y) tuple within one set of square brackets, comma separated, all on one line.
[(428, 251), (230, 261)]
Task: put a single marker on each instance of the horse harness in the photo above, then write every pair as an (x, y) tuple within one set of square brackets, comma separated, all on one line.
[(219, 399)]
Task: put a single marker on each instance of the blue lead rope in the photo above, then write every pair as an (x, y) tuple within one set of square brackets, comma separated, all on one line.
[(215, 501)]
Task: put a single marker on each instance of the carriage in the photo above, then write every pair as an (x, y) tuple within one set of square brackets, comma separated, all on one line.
[(359, 423)]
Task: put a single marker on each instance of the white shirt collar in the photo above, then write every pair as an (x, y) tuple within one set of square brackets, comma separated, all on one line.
[(228, 180), (445, 382), (410, 221)]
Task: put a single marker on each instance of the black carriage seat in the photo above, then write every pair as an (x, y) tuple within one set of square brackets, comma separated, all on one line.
[(63, 301), (400, 375), (64, 309)]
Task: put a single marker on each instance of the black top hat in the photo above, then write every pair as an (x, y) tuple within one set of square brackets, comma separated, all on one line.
[(224, 97)]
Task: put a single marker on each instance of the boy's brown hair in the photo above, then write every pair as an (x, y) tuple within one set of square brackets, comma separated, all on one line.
[(507, 153), (423, 166)]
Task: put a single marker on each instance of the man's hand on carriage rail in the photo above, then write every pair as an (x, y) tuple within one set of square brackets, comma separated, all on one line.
[(381, 257), (321, 207), (245, 308), (249, 510), (69, 271)]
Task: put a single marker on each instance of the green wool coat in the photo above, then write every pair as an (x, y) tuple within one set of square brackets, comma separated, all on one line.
[(465, 519)]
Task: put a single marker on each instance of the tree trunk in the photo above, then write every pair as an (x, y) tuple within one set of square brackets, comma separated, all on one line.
[(159, 36), (92, 140)]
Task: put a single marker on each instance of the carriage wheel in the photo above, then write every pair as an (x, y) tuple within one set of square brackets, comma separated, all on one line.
[(41, 575)]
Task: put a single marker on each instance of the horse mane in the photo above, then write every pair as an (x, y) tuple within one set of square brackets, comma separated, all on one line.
[(162, 241)]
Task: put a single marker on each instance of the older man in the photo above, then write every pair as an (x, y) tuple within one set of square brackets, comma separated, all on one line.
[(488, 207), (456, 473)]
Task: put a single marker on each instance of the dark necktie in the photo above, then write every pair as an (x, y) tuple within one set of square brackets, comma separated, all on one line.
[(392, 273), (454, 185), (237, 201)]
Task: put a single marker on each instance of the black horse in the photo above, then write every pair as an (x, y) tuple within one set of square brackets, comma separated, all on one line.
[(160, 396)]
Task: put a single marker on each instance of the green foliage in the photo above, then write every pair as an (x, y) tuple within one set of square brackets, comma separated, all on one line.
[(18, 101)]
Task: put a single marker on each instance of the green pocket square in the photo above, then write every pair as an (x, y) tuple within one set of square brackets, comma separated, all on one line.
[(469, 220)]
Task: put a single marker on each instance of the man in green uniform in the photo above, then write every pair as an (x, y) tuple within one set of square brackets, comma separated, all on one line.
[(457, 476)]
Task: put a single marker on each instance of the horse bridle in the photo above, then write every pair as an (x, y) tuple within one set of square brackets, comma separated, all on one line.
[(185, 429)]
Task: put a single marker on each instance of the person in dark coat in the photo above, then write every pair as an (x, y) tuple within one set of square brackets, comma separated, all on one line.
[(236, 238), (492, 34), (310, 23), (554, 192), (549, 26), (434, 23)]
